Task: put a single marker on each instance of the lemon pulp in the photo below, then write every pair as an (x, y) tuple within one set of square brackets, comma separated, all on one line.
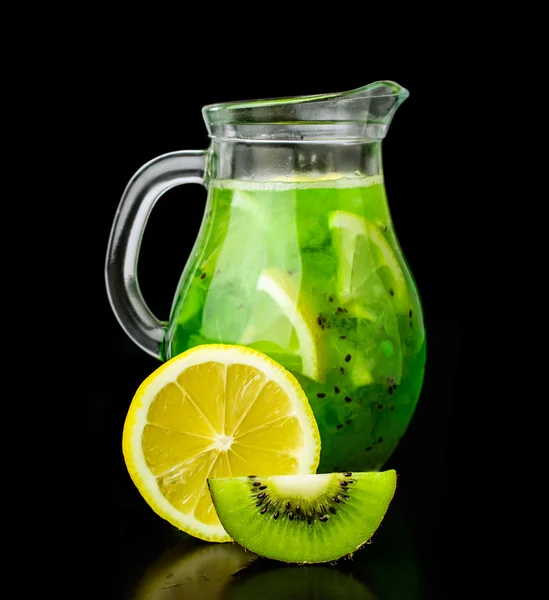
[(215, 411)]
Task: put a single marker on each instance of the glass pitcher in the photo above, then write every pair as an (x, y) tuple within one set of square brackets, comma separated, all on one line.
[(296, 256)]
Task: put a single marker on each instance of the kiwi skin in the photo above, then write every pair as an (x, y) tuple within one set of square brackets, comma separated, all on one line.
[(281, 519)]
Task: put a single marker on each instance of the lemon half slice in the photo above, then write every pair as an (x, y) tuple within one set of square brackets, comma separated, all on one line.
[(283, 325), (215, 411), (364, 254)]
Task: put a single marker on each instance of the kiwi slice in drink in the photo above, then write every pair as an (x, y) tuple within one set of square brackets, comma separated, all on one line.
[(303, 518)]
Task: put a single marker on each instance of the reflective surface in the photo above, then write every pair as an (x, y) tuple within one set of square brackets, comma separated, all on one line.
[(194, 569), (163, 564), (124, 551)]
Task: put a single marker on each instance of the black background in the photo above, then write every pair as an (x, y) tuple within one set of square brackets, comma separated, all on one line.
[(125, 119)]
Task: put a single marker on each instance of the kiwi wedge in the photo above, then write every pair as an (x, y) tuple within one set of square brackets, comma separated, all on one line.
[(303, 518)]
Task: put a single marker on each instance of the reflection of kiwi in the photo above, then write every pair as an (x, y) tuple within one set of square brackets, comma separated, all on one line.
[(303, 518), (298, 583), (192, 570), (391, 565)]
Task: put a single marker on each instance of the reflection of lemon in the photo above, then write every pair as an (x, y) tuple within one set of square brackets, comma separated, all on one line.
[(192, 570), (283, 325), (208, 413), (365, 256)]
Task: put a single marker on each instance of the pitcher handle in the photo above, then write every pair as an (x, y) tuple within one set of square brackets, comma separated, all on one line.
[(143, 190)]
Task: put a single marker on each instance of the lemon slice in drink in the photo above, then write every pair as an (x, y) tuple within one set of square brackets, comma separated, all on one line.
[(214, 411), (372, 287), (310, 178), (365, 255), (283, 325)]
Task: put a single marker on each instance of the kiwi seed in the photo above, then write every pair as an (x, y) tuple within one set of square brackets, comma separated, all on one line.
[(309, 514)]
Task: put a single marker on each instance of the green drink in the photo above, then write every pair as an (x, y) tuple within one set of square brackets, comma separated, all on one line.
[(311, 274)]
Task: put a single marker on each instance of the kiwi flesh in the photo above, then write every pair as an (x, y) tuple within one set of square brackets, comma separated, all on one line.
[(303, 518)]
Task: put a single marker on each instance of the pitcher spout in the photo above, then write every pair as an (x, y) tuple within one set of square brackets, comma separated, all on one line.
[(361, 114), (375, 103)]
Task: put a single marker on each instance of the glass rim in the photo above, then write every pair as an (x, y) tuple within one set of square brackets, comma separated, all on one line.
[(360, 94), (364, 113)]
